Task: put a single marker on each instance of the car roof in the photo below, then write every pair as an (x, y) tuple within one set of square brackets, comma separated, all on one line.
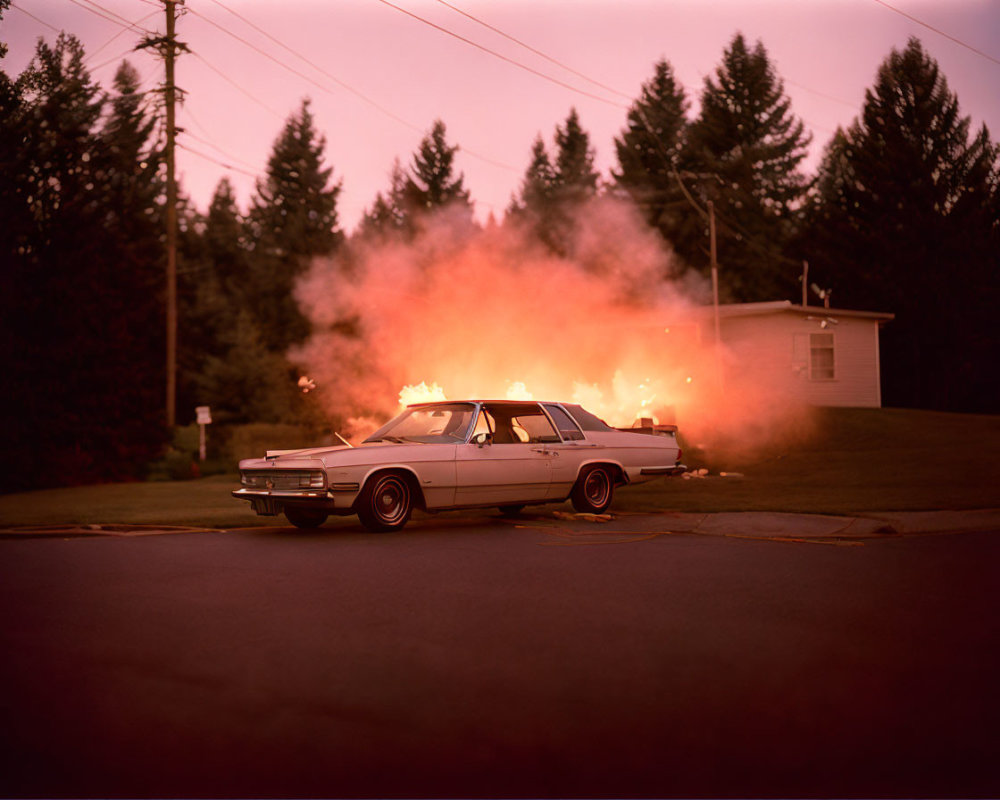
[(487, 402)]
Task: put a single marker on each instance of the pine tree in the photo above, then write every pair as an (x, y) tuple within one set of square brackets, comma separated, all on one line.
[(4, 5), (574, 178), (906, 221), (553, 189), (293, 219), (80, 306), (745, 149), (534, 206), (431, 182), (650, 152), (387, 217)]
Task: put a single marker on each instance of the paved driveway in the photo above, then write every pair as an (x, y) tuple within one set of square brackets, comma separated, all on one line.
[(478, 657)]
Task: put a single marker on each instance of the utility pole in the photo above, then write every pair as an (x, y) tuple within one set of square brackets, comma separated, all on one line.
[(715, 270), (168, 46)]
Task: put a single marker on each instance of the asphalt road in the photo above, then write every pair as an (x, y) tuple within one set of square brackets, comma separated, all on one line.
[(477, 657)]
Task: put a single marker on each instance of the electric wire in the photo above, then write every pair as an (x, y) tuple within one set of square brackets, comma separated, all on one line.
[(472, 153), (93, 53), (36, 19), (305, 77), (215, 160), (187, 112), (236, 85), (110, 16), (537, 52), (103, 64), (502, 57), (938, 31)]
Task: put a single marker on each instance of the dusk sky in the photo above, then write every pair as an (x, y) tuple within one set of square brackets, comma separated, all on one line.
[(378, 77)]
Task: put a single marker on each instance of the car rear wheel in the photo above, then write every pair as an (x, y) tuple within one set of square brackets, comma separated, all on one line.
[(305, 517), (385, 503), (593, 491)]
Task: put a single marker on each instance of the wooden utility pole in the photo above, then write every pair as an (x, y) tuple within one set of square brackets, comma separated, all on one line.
[(715, 270), (170, 97), (168, 46)]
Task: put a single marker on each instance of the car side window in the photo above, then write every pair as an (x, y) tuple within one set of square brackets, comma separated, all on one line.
[(483, 425), (568, 429), (534, 428)]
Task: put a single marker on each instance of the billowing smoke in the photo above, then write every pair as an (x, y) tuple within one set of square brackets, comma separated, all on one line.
[(459, 313)]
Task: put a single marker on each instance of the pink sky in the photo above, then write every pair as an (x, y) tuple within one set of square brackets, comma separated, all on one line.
[(403, 74)]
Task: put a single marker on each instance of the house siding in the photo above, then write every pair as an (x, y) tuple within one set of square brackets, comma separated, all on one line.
[(775, 348)]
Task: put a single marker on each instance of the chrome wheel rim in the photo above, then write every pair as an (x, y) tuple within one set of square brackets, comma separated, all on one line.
[(391, 499), (597, 488)]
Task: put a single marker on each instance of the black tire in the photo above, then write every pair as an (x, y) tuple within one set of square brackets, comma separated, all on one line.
[(593, 491), (305, 517), (386, 502), (511, 511)]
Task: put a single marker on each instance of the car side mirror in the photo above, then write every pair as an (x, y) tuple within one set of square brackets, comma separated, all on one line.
[(482, 439)]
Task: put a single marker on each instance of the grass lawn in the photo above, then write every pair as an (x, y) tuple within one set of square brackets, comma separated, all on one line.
[(857, 460)]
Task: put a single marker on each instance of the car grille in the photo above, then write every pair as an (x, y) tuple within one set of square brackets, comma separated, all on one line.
[(283, 480)]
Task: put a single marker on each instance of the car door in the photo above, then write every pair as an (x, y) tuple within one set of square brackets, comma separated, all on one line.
[(570, 454), (508, 465)]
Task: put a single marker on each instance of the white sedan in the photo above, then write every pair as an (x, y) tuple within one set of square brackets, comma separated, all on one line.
[(464, 454)]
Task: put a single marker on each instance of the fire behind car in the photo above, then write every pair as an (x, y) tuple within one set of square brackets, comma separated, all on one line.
[(461, 454)]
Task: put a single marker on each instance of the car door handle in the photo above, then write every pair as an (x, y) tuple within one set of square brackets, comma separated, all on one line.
[(545, 452)]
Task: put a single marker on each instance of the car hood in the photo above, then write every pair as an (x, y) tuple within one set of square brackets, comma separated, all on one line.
[(319, 457)]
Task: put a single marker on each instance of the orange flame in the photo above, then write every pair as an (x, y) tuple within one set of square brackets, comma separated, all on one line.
[(490, 314)]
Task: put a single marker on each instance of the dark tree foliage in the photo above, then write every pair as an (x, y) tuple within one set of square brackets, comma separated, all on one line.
[(553, 188), (81, 308), (574, 179), (906, 221), (534, 207), (650, 153), (430, 185), (744, 151), (431, 182), (4, 5), (293, 219), (387, 217)]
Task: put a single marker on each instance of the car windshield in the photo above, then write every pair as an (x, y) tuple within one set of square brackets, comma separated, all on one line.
[(442, 423)]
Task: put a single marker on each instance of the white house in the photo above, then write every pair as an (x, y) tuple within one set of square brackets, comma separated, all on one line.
[(831, 354)]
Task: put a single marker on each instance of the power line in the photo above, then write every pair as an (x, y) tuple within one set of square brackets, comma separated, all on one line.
[(938, 31), (534, 50), (36, 19), (207, 141), (216, 160), (356, 92), (110, 16), (124, 29), (237, 86), (305, 77), (502, 57)]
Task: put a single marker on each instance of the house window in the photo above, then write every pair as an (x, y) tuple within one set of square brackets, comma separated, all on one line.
[(821, 361)]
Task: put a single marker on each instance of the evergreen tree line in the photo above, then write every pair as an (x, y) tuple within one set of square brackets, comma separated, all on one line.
[(902, 216)]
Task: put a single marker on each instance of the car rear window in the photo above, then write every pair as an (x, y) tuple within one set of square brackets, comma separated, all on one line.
[(564, 422), (586, 420)]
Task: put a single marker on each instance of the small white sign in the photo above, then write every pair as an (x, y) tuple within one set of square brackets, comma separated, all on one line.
[(204, 415)]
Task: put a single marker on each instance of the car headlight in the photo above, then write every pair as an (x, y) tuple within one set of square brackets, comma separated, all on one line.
[(311, 480)]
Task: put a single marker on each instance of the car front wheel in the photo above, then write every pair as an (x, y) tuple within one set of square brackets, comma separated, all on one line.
[(386, 503), (593, 491), (305, 517)]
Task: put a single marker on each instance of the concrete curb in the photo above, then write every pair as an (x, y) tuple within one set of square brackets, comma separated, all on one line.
[(748, 524)]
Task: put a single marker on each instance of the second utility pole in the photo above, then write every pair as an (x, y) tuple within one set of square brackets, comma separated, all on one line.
[(170, 97), (167, 46)]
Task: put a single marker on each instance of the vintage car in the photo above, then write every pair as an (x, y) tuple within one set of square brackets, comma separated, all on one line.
[(465, 454)]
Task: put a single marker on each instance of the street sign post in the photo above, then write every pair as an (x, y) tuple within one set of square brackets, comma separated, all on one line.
[(204, 417)]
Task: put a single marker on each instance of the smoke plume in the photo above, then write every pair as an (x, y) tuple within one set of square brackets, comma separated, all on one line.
[(468, 313)]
